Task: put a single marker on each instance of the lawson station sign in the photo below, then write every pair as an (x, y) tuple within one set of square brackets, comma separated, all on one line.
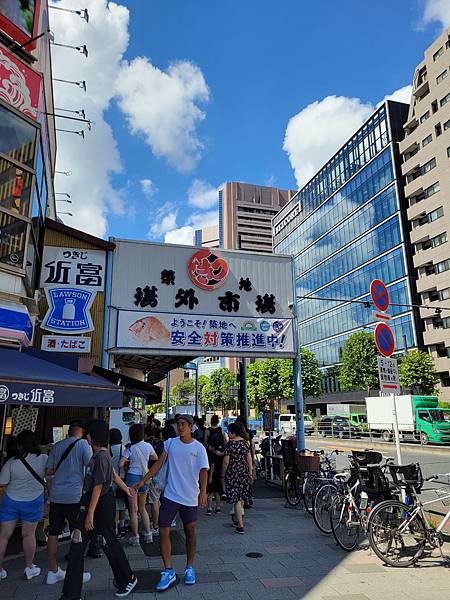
[(171, 299)]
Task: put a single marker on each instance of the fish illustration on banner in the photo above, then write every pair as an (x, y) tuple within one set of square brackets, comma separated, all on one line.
[(150, 329)]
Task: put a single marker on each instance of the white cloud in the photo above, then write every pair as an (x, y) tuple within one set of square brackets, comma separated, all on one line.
[(437, 10), (185, 235), (315, 133), (93, 160), (162, 106), (167, 223), (201, 194), (401, 95), (148, 188)]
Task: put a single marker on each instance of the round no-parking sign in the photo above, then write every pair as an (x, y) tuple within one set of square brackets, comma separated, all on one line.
[(384, 339), (380, 295)]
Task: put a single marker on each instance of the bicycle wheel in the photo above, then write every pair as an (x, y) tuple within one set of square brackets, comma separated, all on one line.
[(396, 540), (292, 489), (321, 506), (309, 491), (343, 523)]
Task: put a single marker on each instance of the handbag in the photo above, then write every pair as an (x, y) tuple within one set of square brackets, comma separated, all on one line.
[(161, 477)]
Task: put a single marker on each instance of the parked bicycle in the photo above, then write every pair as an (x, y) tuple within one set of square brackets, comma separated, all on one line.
[(399, 531), (350, 509)]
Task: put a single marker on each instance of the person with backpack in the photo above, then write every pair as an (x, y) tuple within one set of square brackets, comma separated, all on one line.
[(137, 457), (215, 442), (23, 477), (65, 469), (97, 511)]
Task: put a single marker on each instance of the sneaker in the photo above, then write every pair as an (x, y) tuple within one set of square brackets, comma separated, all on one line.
[(209, 512), (218, 510), (122, 592), (120, 534), (174, 523), (240, 530), (86, 577), (3, 574), (53, 578), (189, 576), (168, 576), (134, 541), (155, 531), (148, 538), (32, 571)]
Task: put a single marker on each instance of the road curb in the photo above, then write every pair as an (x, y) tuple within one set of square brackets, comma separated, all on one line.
[(382, 447)]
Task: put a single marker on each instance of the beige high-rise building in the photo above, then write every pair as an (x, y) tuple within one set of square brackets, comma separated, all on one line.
[(426, 166), (245, 223)]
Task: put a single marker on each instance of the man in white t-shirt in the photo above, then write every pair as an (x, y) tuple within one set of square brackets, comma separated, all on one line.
[(188, 463)]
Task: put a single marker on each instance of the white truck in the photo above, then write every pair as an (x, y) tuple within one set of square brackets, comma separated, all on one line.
[(418, 417)]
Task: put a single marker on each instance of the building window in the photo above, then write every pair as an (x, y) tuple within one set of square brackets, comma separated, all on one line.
[(427, 140), (448, 151), (439, 240), (444, 100), (430, 191), (438, 53), (430, 217), (443, 266), (442, 76), (426, 168), (426, 116), (446, 125), (443, 294), (18, 144)]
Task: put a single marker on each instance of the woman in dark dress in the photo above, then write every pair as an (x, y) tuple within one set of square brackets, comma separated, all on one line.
[(237, 469), (215, 442)]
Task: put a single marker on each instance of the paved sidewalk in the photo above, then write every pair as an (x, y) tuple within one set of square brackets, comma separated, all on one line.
[(295, 562)]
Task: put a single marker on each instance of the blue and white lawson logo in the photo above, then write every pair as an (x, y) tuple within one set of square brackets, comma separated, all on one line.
[(68, 310)]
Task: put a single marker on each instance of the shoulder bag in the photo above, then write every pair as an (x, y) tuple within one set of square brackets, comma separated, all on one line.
[(161, 477), (120, 494), (65, 454), (33, 473)]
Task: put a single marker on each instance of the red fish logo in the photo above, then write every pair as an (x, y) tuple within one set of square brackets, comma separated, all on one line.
[(207, 270)]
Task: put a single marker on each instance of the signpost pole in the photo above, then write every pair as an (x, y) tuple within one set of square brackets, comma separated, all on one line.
[(196, 388), (243, 384), (168, 395), (298, 391), (396, 431)]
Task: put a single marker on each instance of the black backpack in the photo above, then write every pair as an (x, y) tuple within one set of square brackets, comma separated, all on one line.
[(216, 438)]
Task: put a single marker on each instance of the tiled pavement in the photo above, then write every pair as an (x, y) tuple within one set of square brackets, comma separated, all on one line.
[(295, 562)]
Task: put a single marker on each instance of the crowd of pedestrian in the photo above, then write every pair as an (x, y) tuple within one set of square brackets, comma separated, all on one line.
[(101, 487)]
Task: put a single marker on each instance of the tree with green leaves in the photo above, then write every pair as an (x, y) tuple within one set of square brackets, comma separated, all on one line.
[(183, 391), (311, 374), (255, 398), (359, 369), (417, 373), (217, 393)]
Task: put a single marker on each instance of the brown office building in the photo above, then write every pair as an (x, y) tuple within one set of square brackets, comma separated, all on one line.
[(426, 166)]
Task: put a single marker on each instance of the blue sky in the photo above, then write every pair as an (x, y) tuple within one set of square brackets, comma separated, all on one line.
[(193, 93)]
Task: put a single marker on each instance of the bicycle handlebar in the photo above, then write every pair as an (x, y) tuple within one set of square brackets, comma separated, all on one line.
[(434, 477)]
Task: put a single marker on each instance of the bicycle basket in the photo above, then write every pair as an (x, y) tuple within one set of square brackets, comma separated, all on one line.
[(407, 475), (373, 481), (307, 463), (367, 457)]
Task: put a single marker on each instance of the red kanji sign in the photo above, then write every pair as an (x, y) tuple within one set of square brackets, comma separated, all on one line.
[(207, 270)]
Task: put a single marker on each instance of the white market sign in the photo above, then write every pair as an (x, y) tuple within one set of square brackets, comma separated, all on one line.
[(73, 267), (388, 375), (186, 288), (203, 334), (59, 343)]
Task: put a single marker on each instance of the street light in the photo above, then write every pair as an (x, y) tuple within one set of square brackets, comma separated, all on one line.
[(80, 84), (83, 13), (62, 194), (80, 113), (82, 49), (67, 173), (66, 213), (64, 200)]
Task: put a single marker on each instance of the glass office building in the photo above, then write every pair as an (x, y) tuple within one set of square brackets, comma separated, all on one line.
[(346, 227)]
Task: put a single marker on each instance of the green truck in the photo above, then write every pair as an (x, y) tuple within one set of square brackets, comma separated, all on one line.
[(418, 417), (354, 413)]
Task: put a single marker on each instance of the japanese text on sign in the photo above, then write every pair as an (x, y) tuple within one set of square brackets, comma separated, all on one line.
[(73, 267), (185, 332), (58, 343)]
